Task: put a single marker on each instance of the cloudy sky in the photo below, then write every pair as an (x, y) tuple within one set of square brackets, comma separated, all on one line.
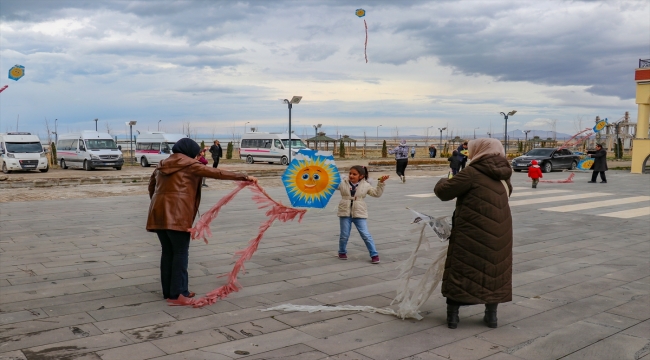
[(219, 65)]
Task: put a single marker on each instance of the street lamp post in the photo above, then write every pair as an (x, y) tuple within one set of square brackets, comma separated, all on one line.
[(159, 124), (247, 122), (440, 145), (505, 135), (294, 100), (131, 123), (56, 132), (96, 124), (378, 133), (475, 132)]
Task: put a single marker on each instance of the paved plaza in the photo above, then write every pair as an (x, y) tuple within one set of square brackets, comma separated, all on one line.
[(79, 279)]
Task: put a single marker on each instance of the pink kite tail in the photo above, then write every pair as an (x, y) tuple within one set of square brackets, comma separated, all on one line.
[(569, 142), (277, 211), (202, 227), (365, 46), (565, 181), (6, 86)]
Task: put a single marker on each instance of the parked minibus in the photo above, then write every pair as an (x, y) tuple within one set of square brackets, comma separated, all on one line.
[(152, 147), (269, 147), (22, 151), (88, 150)]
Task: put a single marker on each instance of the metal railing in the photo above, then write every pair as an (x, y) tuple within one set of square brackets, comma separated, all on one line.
[(644, 63)]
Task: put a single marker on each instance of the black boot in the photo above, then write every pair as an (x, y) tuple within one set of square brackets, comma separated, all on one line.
[(490, 317), (452, 316)]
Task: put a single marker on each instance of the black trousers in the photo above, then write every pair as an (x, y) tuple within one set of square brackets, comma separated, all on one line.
[(401, 166), (594, 175), (216, 162), (462, 164), (173, 262)]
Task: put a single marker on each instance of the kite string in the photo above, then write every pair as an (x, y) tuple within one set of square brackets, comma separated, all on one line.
[(365, 47), (277, 211), (3, 88)]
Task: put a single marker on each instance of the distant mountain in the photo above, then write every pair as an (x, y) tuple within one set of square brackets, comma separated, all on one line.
[(519, 134)]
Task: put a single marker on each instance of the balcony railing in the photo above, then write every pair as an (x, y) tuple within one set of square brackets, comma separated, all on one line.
[(644, 63)]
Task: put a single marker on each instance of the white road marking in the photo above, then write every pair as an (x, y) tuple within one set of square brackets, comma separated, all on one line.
[(597, 204), (556, 198), (538, 192), (629, 213)]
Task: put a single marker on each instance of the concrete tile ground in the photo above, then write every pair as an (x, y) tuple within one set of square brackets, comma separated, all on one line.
[(79, 280)]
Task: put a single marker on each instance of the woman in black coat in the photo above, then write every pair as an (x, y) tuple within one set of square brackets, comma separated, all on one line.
[(600, 164)]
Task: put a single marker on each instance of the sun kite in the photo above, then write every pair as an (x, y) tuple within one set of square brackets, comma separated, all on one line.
[(311, 179)]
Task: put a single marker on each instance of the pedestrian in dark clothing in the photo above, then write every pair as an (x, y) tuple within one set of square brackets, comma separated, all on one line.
[(600, 164), (413, 151), (478, 269), (454, 162), (216, 152), (432, 151), (462, 150), (402, 159)]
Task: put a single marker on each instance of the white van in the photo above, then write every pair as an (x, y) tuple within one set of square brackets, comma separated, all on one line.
[(152, 147), (88, 150), (22, 151), (269, 147)]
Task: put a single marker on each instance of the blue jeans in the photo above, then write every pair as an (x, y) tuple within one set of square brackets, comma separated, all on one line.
[(362, 227), (173, 262)]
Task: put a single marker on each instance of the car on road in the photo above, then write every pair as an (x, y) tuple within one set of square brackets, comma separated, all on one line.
[(549, 159)]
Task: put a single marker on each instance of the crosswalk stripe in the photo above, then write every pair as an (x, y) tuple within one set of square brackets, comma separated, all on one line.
[(596, 204), (539, 192), (629, 213), (422, 195), (556, 198)]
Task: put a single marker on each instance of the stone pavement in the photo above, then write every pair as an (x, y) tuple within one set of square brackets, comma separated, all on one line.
[(79, 280)]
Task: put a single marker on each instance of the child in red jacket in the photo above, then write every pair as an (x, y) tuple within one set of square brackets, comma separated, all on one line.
[(535, 173)]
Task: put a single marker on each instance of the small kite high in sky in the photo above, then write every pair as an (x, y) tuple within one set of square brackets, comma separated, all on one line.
[(311, 178), (16, 72), (361, 13), (600, 125)]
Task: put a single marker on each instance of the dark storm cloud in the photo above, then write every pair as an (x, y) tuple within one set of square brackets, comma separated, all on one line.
[(477, 44)]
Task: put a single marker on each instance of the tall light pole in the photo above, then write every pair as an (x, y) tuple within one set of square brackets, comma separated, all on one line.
[(131, 123), (475, 132), (96, 124), (505, 116), (526, 134), (378, 133), (247, 122), (294, 100), (159, 124), (56, 132), (440, 146)]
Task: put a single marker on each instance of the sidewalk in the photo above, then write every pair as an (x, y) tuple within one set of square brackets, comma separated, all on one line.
[(79, 279)]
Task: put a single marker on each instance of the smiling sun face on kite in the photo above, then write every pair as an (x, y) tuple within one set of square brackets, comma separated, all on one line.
[(311, 181)]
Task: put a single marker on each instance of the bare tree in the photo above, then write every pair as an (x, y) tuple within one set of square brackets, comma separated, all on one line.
[(578, 123), (395, 134), (49, 141)]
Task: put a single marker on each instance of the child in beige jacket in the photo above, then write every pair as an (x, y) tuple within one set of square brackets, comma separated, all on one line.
[(353, 209)]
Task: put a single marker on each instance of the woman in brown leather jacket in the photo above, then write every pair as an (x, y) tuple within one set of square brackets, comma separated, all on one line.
[(175, 192)]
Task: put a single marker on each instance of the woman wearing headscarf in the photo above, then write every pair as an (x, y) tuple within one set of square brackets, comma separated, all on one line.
[(175, 193), (402, 157), (478, 269)]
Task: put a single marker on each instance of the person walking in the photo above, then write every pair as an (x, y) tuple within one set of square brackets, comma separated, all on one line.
[(413, 151), (462, 150), (535, 173), (175, 193), (353, 209), (216, 152), (600, 164), (454, 162), (402, 159), (478, 268), (432, 151)]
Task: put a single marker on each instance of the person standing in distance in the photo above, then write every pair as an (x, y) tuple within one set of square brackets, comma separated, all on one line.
[(462, 157), (216, 152), (600, 164)]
